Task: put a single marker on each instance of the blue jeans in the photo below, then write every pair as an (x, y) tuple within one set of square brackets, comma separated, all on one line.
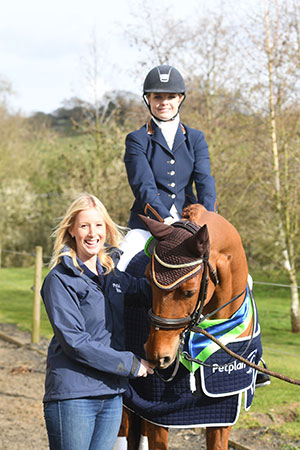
[(84, 423)]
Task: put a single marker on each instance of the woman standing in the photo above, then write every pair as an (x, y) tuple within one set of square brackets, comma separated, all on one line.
[(165, 160), (87, 367)]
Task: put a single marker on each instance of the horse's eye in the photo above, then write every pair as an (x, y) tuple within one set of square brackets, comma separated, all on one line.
[(189, 294)]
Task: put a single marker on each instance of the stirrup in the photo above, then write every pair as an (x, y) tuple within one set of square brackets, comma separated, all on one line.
[(262, 379)]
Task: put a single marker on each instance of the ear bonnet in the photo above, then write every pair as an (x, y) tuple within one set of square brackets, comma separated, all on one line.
[(177, 251)]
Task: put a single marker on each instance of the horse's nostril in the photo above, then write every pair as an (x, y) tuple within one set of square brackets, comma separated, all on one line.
[(164, 362)]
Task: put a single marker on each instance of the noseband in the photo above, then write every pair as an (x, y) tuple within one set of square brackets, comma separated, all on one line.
[(189, 322), (194, 319)]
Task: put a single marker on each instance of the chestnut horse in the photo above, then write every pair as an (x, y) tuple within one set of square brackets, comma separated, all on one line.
[(180, 296)]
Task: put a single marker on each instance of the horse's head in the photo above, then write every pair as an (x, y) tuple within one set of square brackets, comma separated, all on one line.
[(175, 271)]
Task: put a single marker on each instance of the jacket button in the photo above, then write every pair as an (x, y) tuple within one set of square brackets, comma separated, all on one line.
[(172, 184), (172, 173), (172, 161), (173, 196)]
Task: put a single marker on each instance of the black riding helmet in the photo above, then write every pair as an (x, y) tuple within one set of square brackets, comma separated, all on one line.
[(163, 78)]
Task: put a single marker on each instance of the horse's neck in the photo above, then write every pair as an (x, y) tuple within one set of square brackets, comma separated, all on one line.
[(232, 272)]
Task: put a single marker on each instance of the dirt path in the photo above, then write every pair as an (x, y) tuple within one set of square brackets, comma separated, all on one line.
[(22, 426)]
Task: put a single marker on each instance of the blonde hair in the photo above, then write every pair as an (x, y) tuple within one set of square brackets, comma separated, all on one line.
[(63, 238)]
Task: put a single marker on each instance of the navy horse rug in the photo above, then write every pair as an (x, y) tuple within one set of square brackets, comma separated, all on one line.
[(206, 394)]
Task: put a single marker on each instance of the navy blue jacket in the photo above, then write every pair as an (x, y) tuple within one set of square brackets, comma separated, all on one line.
[(86, 356), (160, 177)]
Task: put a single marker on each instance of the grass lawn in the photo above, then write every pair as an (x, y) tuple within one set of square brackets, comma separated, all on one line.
[(279, 402), (16, 299)]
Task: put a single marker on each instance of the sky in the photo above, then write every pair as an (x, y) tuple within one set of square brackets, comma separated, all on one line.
[(44, 46)]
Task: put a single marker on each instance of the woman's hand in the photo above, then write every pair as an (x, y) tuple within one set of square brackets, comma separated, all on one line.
[(145, 369)]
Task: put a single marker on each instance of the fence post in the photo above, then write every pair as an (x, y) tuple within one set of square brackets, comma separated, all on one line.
[(36, 312)]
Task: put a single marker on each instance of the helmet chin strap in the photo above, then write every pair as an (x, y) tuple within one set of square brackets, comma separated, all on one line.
[(157, 118)]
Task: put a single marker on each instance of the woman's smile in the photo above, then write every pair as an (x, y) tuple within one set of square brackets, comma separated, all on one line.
[(163, 105), (89, 231)]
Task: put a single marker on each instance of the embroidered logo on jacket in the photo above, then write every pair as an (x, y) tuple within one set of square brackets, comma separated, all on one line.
[(117, 287)]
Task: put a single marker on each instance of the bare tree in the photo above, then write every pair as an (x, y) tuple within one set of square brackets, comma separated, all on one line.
[(269, 62), (93, 67), (280, 61), (159, 37)]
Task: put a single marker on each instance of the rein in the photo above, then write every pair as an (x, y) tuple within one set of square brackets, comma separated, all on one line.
[(245, 361), (191, 324), (192, 321), (188, 357), (196, 329)]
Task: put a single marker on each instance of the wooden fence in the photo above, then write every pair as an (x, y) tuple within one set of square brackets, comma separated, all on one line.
[(36, 310)]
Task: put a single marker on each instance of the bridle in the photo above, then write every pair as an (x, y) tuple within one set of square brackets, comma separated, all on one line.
[(163, 323), (191, 322), (196, 317)]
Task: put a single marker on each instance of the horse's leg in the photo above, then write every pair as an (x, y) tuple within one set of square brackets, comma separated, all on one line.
[(217, 438), (134, 432), (121, 442), (130, 431), (157, 436)]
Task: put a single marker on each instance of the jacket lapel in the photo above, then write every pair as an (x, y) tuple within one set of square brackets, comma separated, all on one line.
[(180, 137), (156, 135)]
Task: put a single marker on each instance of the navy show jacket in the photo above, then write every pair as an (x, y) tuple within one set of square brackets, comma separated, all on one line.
[(161, 177)]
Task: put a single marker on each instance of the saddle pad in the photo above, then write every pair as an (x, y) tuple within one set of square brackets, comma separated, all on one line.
[(224, 375), (171, 404)]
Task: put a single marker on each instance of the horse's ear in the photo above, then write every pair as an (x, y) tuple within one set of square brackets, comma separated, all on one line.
[(199, 242), (158, 229)]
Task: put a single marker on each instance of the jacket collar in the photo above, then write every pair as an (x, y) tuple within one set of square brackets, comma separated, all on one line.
[(156, 135), (67, 261)]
